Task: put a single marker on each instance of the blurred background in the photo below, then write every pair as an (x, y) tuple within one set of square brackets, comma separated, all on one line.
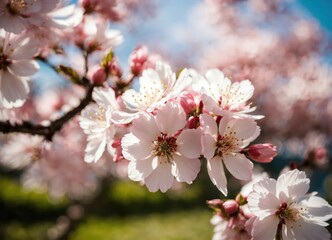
[(282, 46)]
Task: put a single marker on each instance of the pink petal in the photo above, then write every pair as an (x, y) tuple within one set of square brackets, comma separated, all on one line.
[(135, 150), (16, 23), (185, 169), (139, 170), (170, 118), (160, 179), (14, 90), (239, 166), (145, 128), (189, 143), (208, 146), (217, 174), (243, 128), (265, 229), (209, 125), (304, 230), (24, 68)]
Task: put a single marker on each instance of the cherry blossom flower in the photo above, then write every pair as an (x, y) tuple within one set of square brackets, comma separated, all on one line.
[(156, 87), (221, 96), (283, 207), (16, 64), (158, 153), (21, 150), (31, 14), (96, 122), (61, 169), (223, 145)]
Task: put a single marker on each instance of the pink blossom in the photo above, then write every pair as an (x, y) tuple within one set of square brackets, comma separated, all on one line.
[(137, 59), (223, 145), (16, 65), (284, 202), (156, 87), (96, 123), (158, 153), (262, 152)]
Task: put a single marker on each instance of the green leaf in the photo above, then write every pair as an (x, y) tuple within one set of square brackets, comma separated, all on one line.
[(107, 59), (179, 73), (70, 73)]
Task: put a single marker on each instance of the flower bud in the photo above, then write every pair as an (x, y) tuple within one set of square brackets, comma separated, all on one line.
[(187, 102), (99, 76), (193, 122), (262, 152), (114, 68), (215, 203), (137, 59), (230, 207)]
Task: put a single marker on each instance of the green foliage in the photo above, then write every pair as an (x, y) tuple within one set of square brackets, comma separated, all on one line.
[(193, 225), (107, 59)]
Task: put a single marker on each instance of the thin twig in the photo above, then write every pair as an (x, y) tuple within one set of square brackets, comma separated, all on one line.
[(56, 125)]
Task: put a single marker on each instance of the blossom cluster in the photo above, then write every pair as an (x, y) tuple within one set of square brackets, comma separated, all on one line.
[(151, 124), (175, 120), (267, 209)]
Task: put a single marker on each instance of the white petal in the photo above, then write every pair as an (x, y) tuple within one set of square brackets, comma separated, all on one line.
[(26, 48), (181, 83), (293, 183), (95, 147), (318, 209), (24, 68), (145, 128), (120, 117), (305, 231), (209, 124), (239, 166), (139, 170), (105, 97), (185, 169), (14, 90), (208, 146), (170, 118), (160, 179), (135, 150), (265, 229), (189, 143), (217, 174), (244, 128)]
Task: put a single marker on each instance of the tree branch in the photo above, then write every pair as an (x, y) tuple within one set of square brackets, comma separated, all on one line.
[(56, 125)]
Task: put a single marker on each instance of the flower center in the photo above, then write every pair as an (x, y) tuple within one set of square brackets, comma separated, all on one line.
[(97, 115), (285, 212), (165, 146), (4, 61), (226, 144), (15, 7)]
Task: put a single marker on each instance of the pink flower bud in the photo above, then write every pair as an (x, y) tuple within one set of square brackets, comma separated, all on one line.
[(262, 152), (99, 76), (193, 122), (115, 69), (137, 59), (187, 102), (215, 203), (230, 207)]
